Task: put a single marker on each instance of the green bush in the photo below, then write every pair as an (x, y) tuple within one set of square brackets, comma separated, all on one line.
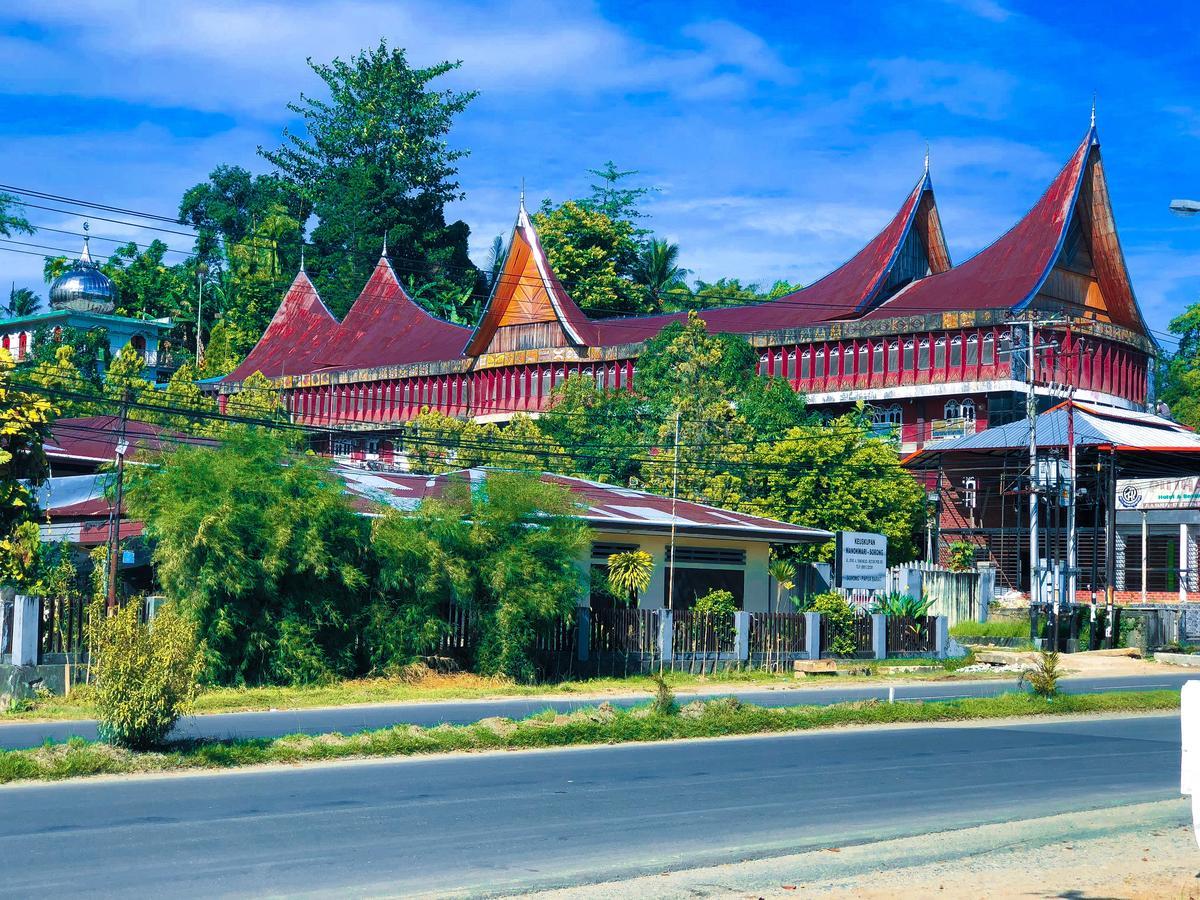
[(1043, 680), (904, 606), (715, 603), (840, 614), (146, 675), (962, 556)]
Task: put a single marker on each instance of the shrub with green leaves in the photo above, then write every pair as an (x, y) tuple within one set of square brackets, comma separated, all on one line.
[(962, 556), (1043, 679), (836, 609), (903, 606), (146, 676)]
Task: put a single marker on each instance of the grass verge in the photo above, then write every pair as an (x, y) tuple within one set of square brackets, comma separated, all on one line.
[(429, 686), (598, 725)]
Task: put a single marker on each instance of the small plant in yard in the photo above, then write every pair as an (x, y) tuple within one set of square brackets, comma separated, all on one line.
[(962, 556), (146, 676), (840, 614), (664, 698), (784, 573), (629, 574), (1043, 679)]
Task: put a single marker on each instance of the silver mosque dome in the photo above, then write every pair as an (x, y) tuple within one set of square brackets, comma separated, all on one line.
[(83, 288)]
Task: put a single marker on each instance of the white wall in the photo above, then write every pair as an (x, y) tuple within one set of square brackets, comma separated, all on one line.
[(758, 587)]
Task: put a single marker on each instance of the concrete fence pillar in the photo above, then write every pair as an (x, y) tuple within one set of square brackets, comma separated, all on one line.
[(666, 632), (25, 631), (741, 635), (812, 635), (583, 631), (879, 635), (941, 641), (986, 589)]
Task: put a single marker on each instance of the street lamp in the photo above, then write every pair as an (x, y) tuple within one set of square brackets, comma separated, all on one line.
[(1185, 207)]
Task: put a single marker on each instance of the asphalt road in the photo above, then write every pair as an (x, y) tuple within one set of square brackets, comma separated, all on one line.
[(511, 821), (15, 735)]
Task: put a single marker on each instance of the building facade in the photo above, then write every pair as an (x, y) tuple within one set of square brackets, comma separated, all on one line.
[(935, 349)]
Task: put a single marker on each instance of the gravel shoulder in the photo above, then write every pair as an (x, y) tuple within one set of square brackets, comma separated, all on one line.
[(1137, 851)]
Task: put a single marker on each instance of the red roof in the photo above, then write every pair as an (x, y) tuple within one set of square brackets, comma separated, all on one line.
[(1009, 272), (842, 294), (298, 330), (602, 504), (385, 327), (93, 439)]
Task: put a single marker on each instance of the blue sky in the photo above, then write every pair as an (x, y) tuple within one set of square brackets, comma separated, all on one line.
[(782, 136)]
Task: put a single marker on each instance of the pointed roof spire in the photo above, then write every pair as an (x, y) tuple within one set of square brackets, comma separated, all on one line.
[(927, 157), (522, 192), (302, 256), (1093, 109), (86, 256), (383, 255)]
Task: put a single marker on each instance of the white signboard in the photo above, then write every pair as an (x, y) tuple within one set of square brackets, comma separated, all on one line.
[(862, 561), (1157, 493)]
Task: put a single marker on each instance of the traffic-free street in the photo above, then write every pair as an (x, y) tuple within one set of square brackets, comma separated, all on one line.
[(511, 821)]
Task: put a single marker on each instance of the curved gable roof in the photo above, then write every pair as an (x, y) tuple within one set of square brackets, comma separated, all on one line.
[(1009, 273), (844, 293), (387, 327), (298, 330)]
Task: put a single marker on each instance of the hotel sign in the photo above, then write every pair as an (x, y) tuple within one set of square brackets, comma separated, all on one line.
[(862, 561), (1158, 493)]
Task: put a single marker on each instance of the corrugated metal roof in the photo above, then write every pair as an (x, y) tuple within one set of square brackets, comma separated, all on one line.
[(1095, 426), (604, 504)]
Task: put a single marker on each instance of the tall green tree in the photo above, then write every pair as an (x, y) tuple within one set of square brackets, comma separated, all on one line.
[(260, 548), (593, 255), (11, 221), (613, 196), (25, 418), (22, 302), (374, 160), (509, 551), (657, 269), (1179, 375)]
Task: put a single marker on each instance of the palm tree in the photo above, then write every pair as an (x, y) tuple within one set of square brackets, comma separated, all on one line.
[(657, 269), (629, 574), (784, 573), (22, 302), (495, 261)]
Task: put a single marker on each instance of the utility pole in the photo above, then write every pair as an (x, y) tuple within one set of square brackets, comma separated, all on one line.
[(114, 522), (201, 271), (674, 496), (1110, 554)]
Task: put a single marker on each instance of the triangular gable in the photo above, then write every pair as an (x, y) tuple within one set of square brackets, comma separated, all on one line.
[(387, 327), (528, 293), (297, 332)]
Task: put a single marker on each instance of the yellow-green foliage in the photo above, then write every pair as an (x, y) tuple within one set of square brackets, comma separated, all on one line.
[(146, 675), (834, 607)]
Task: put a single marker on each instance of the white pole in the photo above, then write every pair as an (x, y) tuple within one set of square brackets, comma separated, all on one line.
[(1183, 561), (1031, 416), (1145, 542), (674, 495)]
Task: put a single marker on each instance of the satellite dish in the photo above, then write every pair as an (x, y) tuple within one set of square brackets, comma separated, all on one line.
[(1185, 207)]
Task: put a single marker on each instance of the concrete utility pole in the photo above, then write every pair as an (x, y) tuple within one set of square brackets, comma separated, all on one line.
[(674, 496), (114, 526)]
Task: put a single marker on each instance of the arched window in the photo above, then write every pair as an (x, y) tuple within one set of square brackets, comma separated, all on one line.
[(848, 369), (545, 383), (877, 362), (1006, 346), (953, 410), (989, 349), (835, 362), (791, 366), (923, 355), (819, 364), (893, 357), (970, 491), (22, 344), (973, 350), (939, 353), (968, 409), (6, 342), (956, 352), (806, 365), (907, 365), (864, 356), (890, 416), (762, 364), (139, 343)]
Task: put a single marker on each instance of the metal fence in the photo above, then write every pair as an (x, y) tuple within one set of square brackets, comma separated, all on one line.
[(623, 640), (777, 639), (62, 625), (860, 632), (908, 634)]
